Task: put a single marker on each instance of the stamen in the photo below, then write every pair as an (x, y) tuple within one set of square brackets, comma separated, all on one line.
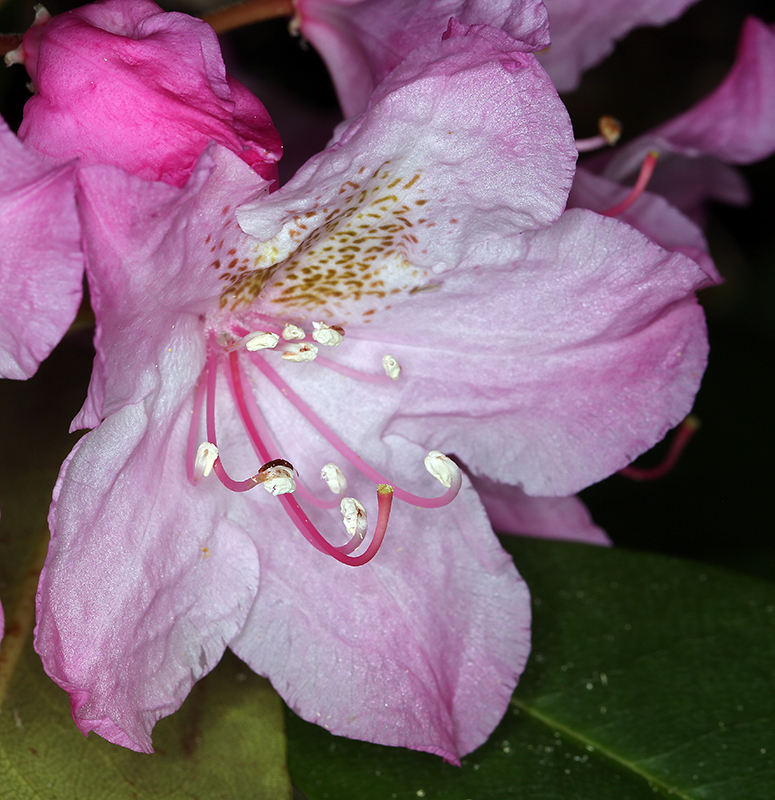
[(364, 468), (354, 517), (291, 332), (277, 477), (391, 366), (218, 468), (610, 132), (443, 468), (646, 171), (682, 437), (206, 454), (260, 437), (341, 554), (352, 373), (260, 340), (335, 478), (193, 429), (328, 335), (300, 352)]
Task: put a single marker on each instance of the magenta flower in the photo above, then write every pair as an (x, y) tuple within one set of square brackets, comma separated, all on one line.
[(361, 41), (117, 82), (414, 288), (122, 82), (40, 261)]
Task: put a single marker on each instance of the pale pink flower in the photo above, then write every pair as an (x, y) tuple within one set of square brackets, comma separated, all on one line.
[(544, 349)]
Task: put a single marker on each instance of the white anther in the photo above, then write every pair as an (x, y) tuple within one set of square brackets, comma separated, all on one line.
[(443, 468), (300, 351), (277, 479), (206, 454), (335, 478), (291, 331), (391, 366), (17, 56), (354, 517), (328, 335), (260, 340)]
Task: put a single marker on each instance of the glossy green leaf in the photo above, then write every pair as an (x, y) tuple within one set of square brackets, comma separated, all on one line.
[(649, 677), (227, 740)]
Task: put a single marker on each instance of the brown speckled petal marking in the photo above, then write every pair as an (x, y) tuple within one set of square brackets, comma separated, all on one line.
[(340, 260)]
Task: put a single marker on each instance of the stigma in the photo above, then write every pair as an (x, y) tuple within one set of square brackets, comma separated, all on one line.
[(276, 342)]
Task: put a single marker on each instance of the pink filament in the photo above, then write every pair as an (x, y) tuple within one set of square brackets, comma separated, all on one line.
[(351, 456), (349, 372), (592, 143), (682, 437), (218, 468), (291, 505), (313, 536), (193, 441), (646, 171), (263, 443)]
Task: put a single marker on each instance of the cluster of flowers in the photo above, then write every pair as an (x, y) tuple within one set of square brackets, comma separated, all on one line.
[(440, 278)]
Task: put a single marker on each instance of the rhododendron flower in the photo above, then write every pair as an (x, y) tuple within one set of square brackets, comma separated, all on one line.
[(416, 287), (735, 124), (361, 41), (123, 82), (40, 260), (583, 33), (117, 82)]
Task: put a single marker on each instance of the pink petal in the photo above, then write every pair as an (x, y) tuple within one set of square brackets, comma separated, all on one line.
[(512, 511), (588, 345), (584, 33), (651, 214), (422, 648), (122, 82), (361, 41), (453, 181), (135, 234), (733, 125), (41, 265), (147, 579)]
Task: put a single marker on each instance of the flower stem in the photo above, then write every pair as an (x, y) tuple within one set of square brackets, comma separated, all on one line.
[(241, 14)]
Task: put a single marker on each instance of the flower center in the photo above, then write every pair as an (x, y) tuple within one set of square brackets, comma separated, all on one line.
[(228, 353)]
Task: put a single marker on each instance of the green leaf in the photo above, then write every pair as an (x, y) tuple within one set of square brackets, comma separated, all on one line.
[(649, 677), (227, 740)]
